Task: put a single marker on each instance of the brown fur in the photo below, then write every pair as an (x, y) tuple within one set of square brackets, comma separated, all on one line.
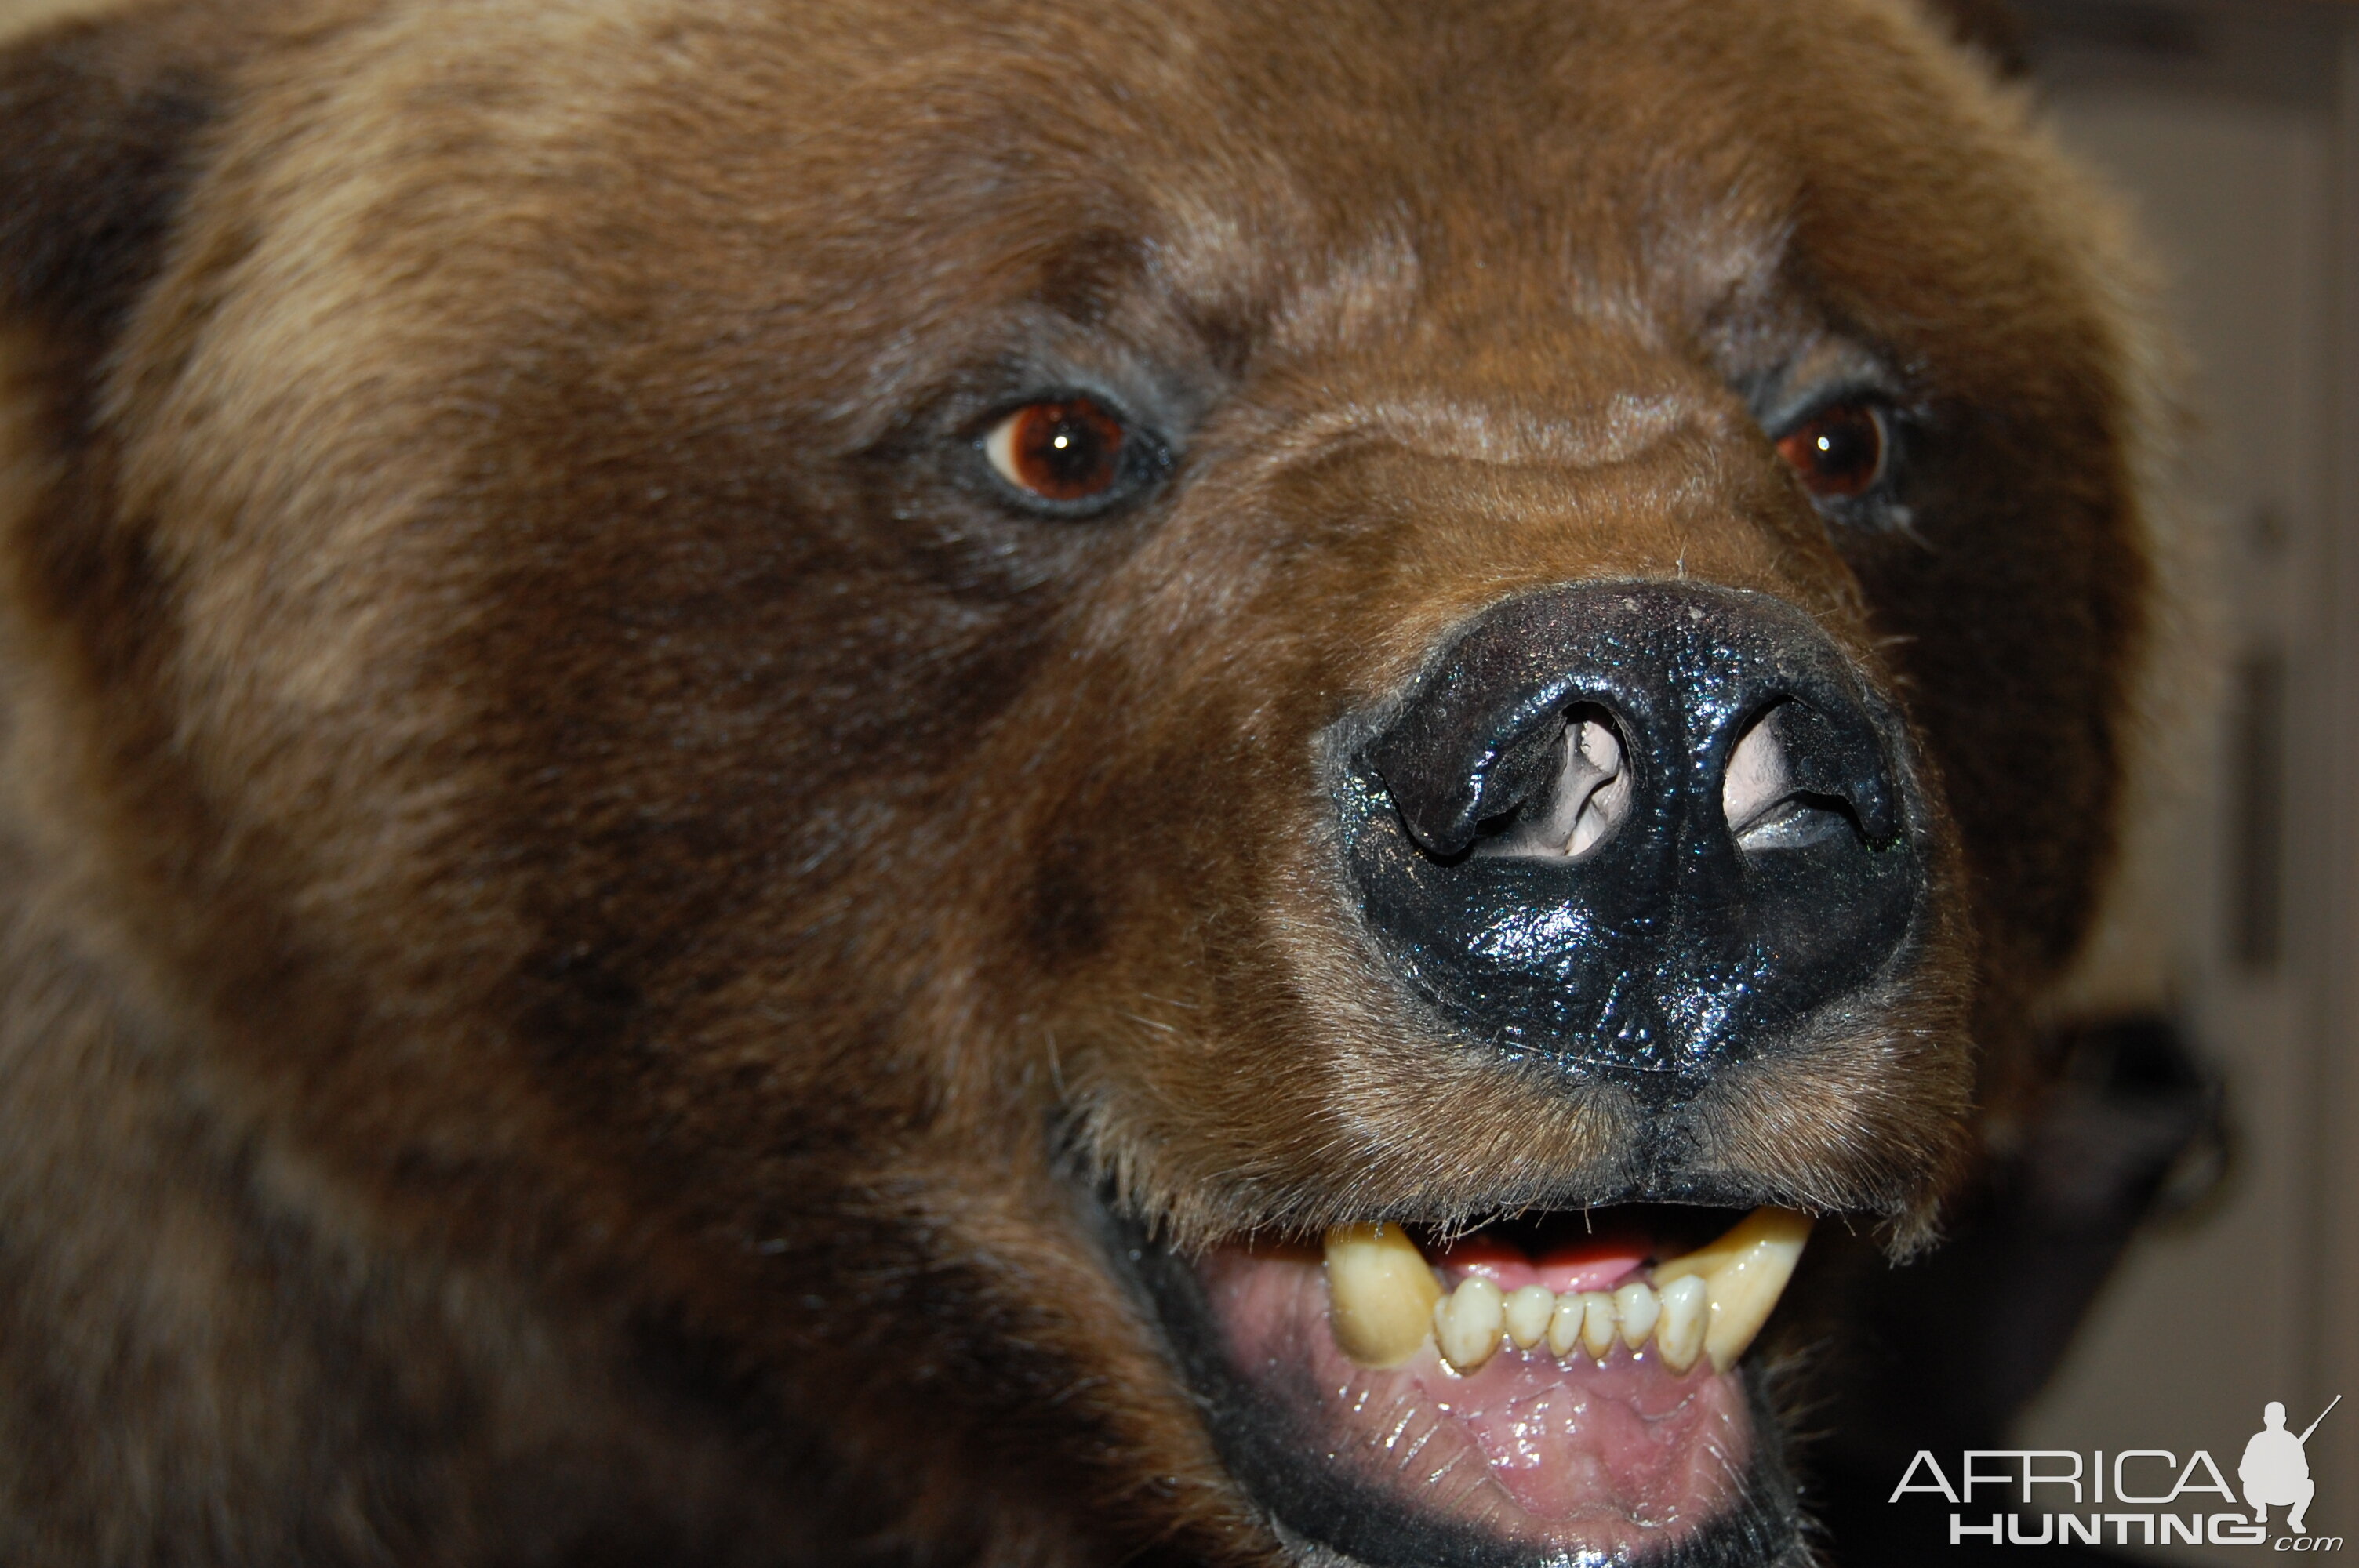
[(581, 918)]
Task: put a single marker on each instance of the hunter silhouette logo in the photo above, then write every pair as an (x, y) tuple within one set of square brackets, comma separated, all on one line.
[(2276, 1467), (2134, 1497)]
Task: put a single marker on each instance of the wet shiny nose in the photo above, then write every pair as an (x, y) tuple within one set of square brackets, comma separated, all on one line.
[(1646, 829)]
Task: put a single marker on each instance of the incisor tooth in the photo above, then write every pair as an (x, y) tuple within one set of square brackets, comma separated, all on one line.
[(1680, 1336), (1380, 1293), (1636, 1305), (1564, 1325), (1468, 1322), (1744, 1274), (1597, 1323), (1529, 1310)]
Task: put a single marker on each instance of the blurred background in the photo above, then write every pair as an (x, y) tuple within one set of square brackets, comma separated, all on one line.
[(2232, 128)]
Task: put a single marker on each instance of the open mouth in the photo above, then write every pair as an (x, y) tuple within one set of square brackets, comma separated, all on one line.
[(1566, 1390)]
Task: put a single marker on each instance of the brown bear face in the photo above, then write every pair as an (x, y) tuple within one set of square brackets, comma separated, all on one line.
[(902, 693)]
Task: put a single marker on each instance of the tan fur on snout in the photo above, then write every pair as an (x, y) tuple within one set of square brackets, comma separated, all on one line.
[(1421, 512), (606, 942)]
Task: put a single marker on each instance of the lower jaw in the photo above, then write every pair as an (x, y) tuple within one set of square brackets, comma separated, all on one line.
[(1527, 1461)]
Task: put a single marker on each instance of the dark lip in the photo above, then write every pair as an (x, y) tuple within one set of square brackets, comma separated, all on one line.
[(1328, 1522)]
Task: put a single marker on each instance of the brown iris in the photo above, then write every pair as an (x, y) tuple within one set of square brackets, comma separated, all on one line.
[(1839, 453), (1067, 450)]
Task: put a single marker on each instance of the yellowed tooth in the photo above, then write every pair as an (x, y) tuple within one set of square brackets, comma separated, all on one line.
[(1565, 1325), (1744, 1272), (1636, 1306), (1598, 1323), (1380, 1293), (1679, 1337), (1468, 1322), (1529, 1310)]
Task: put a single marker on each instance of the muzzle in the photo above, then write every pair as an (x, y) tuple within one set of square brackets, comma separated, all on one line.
[(1645, 830)]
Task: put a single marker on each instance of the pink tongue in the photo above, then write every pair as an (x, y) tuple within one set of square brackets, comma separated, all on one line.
[(1581, 1458), (1597, 1264)]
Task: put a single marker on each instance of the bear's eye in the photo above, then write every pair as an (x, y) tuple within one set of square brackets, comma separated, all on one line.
[(1066, 449), (1839, 453)]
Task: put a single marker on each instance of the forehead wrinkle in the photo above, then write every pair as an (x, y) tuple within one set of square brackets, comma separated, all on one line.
[(1624, 428), (1700, 249), (1301, 241)]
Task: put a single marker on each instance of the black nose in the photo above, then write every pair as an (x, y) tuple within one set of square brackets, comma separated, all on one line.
[(1644, 828)]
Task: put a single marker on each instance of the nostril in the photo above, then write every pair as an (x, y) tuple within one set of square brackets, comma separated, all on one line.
[(1780, 791), (1759, 778), (1579, 810), (1597, 778)]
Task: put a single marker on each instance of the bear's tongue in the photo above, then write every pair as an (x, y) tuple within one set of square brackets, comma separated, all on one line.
[(1497, 1390)]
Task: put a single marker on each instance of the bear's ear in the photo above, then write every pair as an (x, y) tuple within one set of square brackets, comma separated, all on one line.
[(102, 122)]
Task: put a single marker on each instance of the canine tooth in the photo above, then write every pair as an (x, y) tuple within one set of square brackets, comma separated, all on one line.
[(1380, 1293), (1637, 1306), (1598, 1322), (1743, 1274), (1680, 1336), (1564, 1325), (1468, 1322), (1529, 1310)]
